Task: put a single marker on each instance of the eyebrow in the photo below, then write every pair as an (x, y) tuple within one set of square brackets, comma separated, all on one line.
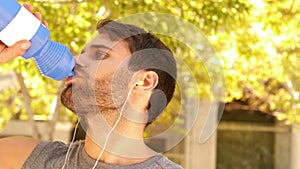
[(99, 46)]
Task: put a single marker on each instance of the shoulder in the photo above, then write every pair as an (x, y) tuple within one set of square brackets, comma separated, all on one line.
[(51, 154), (166, 163), (159, 161), (15, 151)]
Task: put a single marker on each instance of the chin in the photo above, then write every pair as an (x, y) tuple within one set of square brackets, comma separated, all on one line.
[(66, 98)]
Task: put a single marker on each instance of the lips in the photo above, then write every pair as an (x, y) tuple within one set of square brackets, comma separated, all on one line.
[(79, 73), (69, 81)]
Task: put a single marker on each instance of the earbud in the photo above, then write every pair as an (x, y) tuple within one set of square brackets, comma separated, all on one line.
[(139, 83)]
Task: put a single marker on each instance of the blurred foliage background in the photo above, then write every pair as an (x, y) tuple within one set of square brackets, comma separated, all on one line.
[(257, 41)]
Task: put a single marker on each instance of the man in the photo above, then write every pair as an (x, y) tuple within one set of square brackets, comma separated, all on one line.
[(124, 79)]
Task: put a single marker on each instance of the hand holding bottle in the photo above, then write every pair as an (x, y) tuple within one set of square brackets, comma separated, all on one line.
[(9, 53), (19, 48), (53, 60)]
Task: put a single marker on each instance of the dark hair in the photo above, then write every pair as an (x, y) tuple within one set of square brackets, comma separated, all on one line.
[(148, 53)]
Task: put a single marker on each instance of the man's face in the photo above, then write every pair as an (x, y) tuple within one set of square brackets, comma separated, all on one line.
[(101, 77)]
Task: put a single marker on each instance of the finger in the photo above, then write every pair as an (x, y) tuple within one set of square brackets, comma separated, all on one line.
[(2, 46), (38, 15), (45, 23), (18, 49), (28, 7)]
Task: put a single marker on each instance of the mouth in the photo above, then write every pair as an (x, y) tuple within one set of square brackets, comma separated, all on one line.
[(78, 74), (69, 81)]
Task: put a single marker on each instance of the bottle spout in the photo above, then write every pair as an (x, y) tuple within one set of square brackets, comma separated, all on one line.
[(72, 73)]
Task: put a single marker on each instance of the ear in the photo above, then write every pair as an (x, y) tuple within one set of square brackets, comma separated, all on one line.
[(147, 81)]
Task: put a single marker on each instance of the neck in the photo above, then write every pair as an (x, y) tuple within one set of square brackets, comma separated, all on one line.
[(125, 145), (119, 154)]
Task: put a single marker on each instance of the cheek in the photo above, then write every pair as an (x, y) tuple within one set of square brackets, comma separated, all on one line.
[(105, 69)]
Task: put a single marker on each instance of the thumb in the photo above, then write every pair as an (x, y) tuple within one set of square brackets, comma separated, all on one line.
[(18, 49)]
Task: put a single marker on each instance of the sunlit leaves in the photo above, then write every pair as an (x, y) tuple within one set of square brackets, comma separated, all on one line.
[(261, 56), (258, 41)]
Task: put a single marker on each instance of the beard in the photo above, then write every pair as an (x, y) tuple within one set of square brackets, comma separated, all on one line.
[(90, 94), (67, 99)]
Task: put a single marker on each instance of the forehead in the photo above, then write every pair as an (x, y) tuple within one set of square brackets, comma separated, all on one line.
[(103, 40)]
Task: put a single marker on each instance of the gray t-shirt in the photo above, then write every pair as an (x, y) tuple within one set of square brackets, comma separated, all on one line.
[(51, 155)]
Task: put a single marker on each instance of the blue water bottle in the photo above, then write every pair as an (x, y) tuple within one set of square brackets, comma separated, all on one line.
[(53, 59)]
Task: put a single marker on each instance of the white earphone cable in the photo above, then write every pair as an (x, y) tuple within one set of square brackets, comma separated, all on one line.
[(73, 138), (114, 127)]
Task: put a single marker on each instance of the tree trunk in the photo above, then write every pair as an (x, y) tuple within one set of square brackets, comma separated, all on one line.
[(54, 115), (27, 105)]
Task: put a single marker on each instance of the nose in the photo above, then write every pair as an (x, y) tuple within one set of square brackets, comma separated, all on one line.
[(79, 61)]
